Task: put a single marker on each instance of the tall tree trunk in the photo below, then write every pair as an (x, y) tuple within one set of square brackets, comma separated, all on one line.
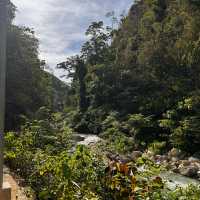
[(83, 99)]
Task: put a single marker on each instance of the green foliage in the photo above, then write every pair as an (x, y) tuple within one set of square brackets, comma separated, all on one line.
[(89, 122), (189, 193), (182, 124), (53, 173), (28, 86), (70, 177), (40, 155), (141, 126), (77, 70), (141, 70), (117, 141), (137, 86), (157, 147), (115, 135), (125, 182)]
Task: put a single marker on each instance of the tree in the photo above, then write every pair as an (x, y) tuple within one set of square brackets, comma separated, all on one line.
[(77, 70), (28, 86), (95, 49)]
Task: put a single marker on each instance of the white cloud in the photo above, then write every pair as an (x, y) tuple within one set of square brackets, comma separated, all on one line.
[(60, 24)]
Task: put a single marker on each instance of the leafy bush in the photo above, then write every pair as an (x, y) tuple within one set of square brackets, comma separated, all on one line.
[(40, 155), (144, 129), (182, 124), (157, 147), (70, 177), (49, 135), (125, 182), (89, 122), (117, 141), (84, 174), (115, 137)]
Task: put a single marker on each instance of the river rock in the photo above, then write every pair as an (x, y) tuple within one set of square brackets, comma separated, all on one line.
[(175, 159), (157, 158), (176, 154), (198, 174), (192, 159), (174, 167), (165, 163), (149, 154), (160, 158), (175, 170), (136, 154), (184, 162), (189, 171), (197, 164), (77, 138)]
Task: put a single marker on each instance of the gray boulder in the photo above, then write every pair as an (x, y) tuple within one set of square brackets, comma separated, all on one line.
[(192, 159), (175, 159), (198, 174), (176, 154), (136, 154), (190, 171), (185, 162)]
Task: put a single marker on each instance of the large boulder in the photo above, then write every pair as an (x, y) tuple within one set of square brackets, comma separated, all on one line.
[(197, 164), (184, 162), (190, 171), (198, 174), (175, 170), (160, 158), (175, 159), (193, 159), (149, 154), (176, 154)]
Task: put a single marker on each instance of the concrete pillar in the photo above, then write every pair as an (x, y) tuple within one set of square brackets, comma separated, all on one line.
[(5, 189), (5, 192)]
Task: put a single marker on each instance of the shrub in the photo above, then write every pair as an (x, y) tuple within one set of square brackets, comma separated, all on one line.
[(182, 124), (89, 122), (143, 128), (157, 147)]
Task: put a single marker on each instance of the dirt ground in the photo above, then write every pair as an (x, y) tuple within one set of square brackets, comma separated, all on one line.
[(17, 192)]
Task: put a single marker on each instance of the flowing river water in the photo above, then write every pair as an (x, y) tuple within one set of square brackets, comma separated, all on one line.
[(174, 180)]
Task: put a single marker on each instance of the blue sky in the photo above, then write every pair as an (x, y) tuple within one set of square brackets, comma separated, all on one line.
[(60, 24)]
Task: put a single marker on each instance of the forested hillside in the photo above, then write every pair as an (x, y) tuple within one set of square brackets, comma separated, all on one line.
[(28, 86), (149, 71), (137, 87)]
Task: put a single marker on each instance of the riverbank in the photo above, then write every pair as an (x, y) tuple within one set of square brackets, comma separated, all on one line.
[(180, 169)]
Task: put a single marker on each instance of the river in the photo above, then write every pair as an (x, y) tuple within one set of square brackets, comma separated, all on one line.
[(172, 179)]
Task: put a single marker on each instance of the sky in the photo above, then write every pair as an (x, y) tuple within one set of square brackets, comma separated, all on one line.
[(60, 25)]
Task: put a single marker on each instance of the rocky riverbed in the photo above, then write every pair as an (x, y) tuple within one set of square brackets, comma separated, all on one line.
[(180, 162), (182, 168)]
